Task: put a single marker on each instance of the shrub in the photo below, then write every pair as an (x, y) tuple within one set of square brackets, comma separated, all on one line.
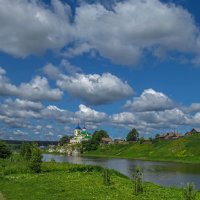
[(106, 176), (25, 150), (138, 181), (84, 168), (36, 160), (189, 192), (4, 150), (69, 167), (141, 140), (52, 160)]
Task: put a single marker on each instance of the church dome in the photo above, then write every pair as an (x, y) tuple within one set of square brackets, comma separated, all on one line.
[(78, 127)]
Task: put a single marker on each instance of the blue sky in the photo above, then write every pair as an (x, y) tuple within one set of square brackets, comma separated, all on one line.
[(111, 66)]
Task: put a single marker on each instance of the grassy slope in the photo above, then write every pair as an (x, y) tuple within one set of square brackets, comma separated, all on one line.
[(76, 182), (185, 149)]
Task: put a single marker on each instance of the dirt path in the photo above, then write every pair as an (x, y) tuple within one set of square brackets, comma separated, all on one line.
[(1, 196)]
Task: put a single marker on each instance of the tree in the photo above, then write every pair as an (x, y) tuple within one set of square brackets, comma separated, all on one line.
[(64, 139), (36, 159), (156, 139), (4, 150), (141, 140), (26, 150), (90, 145), (132, 135), (150, 139), (157, 136), (98, 135)]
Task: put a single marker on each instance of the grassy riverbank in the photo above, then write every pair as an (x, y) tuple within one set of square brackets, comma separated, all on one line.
[(185, 150), (60, 181)]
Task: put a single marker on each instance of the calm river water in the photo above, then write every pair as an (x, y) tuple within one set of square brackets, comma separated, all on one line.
[(162, 173)]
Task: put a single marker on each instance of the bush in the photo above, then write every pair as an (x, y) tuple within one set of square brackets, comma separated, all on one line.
[(106, 176), (26, 151), (52, 160), (4, 150), (138, 181), (36, 160), (189, 192), (141, 140), (69, 167)]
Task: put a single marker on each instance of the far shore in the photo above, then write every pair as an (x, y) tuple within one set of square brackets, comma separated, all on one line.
[(143, 159), (137, 158)]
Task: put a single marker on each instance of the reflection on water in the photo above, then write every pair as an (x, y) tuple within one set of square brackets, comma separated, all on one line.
[(163, 173)]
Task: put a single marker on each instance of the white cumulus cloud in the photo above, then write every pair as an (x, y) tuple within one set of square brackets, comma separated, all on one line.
[(150, 100), (38, 89), (122, 33), (89, 115), (131, 27), (31, 27), (94, 88)]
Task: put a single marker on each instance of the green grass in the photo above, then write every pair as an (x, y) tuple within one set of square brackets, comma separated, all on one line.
[(185, 149), (61, 181), (14, 165)]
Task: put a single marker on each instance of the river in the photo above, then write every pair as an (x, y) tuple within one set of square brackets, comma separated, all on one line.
[(162, 173)]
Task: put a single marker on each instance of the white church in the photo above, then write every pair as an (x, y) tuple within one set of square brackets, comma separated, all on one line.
[(80, 135)]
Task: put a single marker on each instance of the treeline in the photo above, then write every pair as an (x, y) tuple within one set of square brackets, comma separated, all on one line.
[(93, 143), (39, 142)]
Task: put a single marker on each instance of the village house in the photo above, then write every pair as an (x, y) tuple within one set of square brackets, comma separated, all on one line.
[(105, 140), (170, 136), (120, 141), (193, 131)]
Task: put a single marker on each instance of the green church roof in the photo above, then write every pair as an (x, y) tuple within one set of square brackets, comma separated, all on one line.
[(88, 136), (84, 132)]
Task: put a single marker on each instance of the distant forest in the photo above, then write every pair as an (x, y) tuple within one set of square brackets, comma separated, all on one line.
[(40, 143)]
